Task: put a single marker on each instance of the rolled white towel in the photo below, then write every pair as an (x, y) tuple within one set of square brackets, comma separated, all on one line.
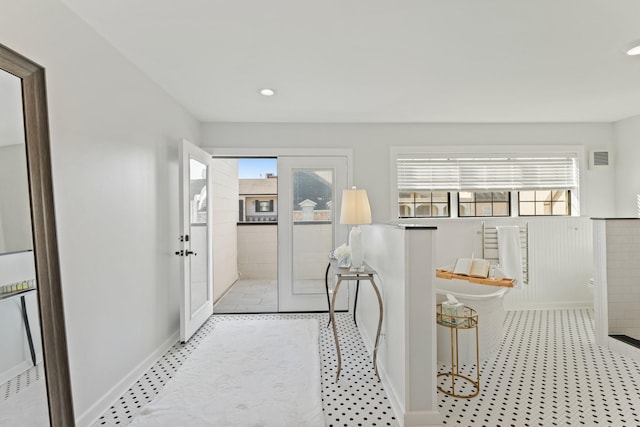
[(509, 253)]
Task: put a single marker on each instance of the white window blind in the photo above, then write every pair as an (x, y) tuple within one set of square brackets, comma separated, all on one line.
[(499, 172)]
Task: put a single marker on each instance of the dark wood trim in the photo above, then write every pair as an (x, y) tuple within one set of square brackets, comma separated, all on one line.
[(44, 235)]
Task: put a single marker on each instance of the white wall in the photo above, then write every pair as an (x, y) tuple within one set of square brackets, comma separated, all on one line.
[(258, 251), (371, 144), (114, 146), (224, 202), (15, 212), (625, 165), (616, 289)]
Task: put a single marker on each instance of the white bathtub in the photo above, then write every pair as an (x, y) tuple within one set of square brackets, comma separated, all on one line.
[(487, 300)]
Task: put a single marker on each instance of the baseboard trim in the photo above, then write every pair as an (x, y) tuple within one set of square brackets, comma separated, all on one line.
[(15, 370), (91, 415), (423, 419), (566, 305), (396, 404)]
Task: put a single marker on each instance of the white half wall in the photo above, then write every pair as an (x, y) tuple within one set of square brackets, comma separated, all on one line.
[(403, 258), (625, 164), (114, 137), (258, 251)]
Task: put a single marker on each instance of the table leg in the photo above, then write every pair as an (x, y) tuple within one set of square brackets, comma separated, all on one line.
[(375, 350), (326, 287), (355, 302), (25, 318), (332, 320)]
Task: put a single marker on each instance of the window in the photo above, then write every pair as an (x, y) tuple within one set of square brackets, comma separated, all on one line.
[(484, 203), (423, 204), (543, 179), (264, 205), (544, 202)]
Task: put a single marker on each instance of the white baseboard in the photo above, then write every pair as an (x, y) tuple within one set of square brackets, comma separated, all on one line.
[(15, 370), (549, 305), (91, 415), (405, 419), (396, 403), (624, 349), (423, 419)]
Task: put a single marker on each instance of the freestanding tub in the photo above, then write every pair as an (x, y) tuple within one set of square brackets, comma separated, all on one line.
[(487, 300)]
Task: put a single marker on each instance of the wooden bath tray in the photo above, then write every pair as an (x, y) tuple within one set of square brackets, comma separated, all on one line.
[(505, 281)]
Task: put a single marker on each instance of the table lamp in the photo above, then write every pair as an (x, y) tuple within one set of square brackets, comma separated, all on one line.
[(355, 211)]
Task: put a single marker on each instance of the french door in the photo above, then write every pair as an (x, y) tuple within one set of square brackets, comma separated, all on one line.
[(196, 303), (309, 198)]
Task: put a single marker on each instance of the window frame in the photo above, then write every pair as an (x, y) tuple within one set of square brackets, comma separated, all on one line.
[(263, 206), (492, 201), (430, 203), (440, 151), (567, 200)]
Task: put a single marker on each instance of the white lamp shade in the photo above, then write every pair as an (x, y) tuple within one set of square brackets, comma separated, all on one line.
[(355, 207)]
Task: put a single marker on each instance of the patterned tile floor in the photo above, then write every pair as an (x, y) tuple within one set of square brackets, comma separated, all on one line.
[(357, 399), (547, 372)]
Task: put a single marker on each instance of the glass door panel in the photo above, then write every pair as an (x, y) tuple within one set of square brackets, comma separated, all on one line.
[(312, 228), (198, 226), (307, 229)]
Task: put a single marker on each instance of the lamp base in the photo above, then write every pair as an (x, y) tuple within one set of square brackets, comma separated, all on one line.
[(357, 249)]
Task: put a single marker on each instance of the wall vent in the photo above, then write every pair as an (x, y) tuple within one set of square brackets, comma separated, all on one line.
[(599, 159)]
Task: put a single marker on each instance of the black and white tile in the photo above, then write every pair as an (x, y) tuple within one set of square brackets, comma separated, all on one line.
[(357, 399), (547, 372), (21, 382)]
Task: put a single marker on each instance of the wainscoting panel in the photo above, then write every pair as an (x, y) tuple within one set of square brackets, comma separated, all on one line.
[(560, 265), (560, 258)]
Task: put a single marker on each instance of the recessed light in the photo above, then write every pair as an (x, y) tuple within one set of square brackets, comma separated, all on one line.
[(267, 92), (634, 51), (633, 48)]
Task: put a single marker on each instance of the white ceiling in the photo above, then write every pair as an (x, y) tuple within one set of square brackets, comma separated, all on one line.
[(382, 60)]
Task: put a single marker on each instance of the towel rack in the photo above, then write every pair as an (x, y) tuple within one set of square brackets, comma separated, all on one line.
[(490, 246)]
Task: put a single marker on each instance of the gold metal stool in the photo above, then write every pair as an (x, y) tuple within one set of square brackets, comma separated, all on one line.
[(468, 320)]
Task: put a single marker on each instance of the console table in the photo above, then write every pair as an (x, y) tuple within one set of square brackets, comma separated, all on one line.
[(367, 273), (326, 286)]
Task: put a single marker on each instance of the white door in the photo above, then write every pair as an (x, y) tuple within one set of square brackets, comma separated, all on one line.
[(196, 303), (309, 197)]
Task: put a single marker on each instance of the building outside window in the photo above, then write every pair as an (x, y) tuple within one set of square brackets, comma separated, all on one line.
[(264, 205), (484, 203), (544, 203), (423, 204)]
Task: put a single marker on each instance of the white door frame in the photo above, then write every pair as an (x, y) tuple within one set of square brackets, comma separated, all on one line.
[(287, 152)]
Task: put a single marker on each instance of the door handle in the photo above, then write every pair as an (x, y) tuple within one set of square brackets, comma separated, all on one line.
[(187, 253)]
